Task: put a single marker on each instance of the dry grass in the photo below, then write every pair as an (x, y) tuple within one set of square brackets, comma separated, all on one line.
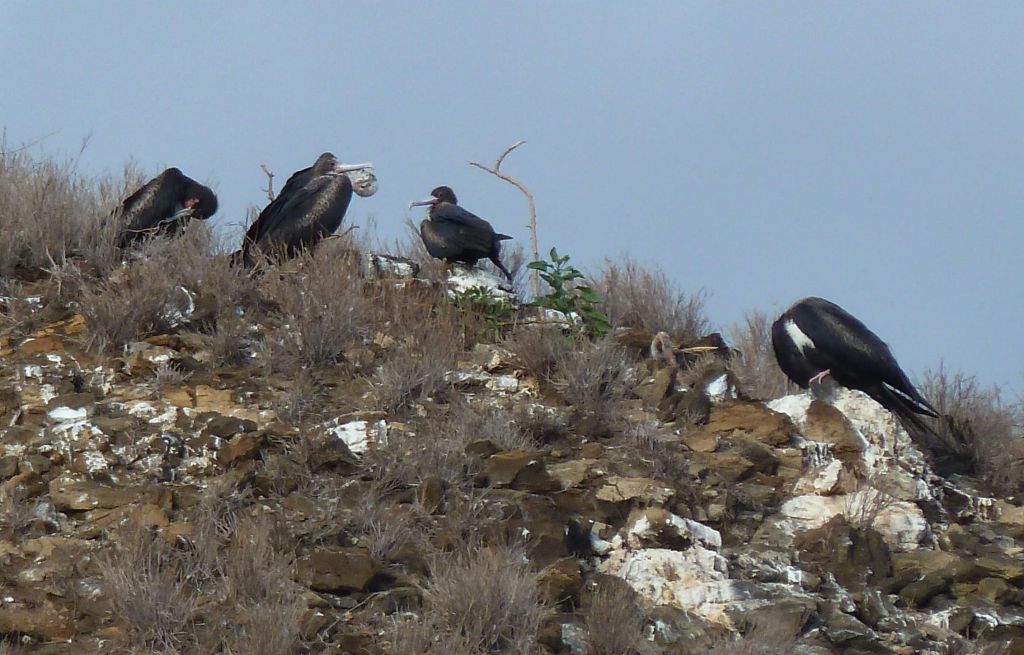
[(757, 372), (227, 588), (49, 213), (613, 618), (594, 377), (150, 586), (416, 364), (638, 297), (539, 349), (991, 429), (482, 599), (178, 282), (321, 307)]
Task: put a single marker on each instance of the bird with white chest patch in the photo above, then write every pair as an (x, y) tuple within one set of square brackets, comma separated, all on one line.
[(816, 338)]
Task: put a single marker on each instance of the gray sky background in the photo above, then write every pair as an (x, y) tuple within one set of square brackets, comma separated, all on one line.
[(870, 153)]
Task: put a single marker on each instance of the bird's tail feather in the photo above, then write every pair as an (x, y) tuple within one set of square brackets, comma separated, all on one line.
[(950, 454)]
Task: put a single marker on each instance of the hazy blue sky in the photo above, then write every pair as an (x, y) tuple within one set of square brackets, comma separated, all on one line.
[(870, 153)]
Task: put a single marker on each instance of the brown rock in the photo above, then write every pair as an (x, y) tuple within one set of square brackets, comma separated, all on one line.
[(226, 427), (501, 469), (179, 397), (572, 473), (654, 390), (209, 399), (243, 446), (68, 493), (753, 420), (618, 489), (919, 592), (728, 468), (50, 343), (482, 448), (701, 441), (561, 583), (997, 590), (827, 424), (8, 466), (855, 556), (42, 621), (345, 570)]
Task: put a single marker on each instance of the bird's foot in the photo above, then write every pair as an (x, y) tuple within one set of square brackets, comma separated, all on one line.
[(819, 377)]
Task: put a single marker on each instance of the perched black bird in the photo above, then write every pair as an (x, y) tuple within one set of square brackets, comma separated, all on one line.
[(815, 338), (310, 207), (453, 234), (163, 206)]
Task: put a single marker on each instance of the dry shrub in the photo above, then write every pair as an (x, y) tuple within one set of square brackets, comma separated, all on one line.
[(482, 599), (594, 378), (256, 578), (322, 309), (613, 618), (539, 349), (176, 282), (227, 588), (638, 297), (46, 209), (468, 423), (426, 348), (385, 526), (16, 512), (757, 372), (992, 430), (150, 586), (433, 448)]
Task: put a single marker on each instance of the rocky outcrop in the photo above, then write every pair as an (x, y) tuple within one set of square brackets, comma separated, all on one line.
[(820, 518)]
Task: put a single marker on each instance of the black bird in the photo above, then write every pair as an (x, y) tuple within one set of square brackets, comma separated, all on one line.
[(815, 338), (163, 206), (310, 207), (453, 234)]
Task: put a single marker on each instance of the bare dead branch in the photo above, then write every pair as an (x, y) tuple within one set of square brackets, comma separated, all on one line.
[(534, 248), (270, 182)]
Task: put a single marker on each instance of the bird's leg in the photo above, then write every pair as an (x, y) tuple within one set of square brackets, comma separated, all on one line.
[(819, 377)]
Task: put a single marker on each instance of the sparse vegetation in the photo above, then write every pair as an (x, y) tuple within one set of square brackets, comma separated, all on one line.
[(991, 428), (578, 303), (594, 377), (639, 297), (457, 460), (755, 367)]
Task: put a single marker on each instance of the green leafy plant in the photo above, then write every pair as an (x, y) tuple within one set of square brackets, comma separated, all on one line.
[(494, 312), (569, 297)]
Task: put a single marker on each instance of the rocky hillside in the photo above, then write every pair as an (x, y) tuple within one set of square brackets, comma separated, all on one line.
[(444, 478)]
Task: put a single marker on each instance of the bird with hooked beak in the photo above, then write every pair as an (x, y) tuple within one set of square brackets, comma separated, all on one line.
[(308, 209), (451, 233)]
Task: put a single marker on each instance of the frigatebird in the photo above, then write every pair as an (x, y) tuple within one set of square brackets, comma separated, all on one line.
[(816, 338), (163, 206), (451, 233), (309, 208)]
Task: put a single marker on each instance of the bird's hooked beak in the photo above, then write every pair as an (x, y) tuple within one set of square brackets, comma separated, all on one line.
[(432, 200), (364, 182)]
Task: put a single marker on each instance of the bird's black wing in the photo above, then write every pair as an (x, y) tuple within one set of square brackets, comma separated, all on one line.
[(309, 213), (268, 217), (153, 202), (840, 336), (474, 233)]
